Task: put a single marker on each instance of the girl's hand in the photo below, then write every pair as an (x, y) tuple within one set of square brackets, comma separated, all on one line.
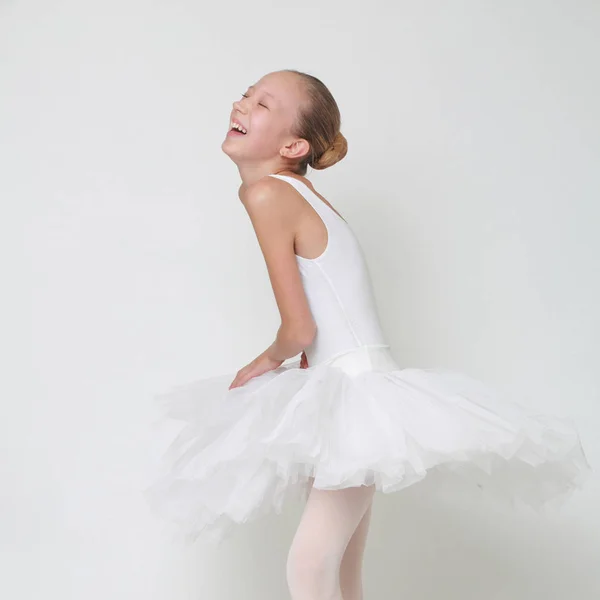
[(303, 361), (261, 364)]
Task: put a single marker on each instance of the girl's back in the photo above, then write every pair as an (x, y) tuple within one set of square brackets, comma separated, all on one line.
[(338, 287)]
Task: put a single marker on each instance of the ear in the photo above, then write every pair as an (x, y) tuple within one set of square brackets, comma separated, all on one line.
[(296, 149)]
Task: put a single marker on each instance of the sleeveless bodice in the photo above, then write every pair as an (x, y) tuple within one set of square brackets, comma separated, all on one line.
[(338, 288)]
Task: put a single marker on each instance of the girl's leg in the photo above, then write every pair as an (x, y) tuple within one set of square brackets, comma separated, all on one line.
[(328, 523), (352, 561)]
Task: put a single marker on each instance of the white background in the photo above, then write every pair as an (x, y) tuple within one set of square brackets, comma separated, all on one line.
[(129, 266)]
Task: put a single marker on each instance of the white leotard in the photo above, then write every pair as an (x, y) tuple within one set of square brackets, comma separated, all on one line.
[(339, 291)]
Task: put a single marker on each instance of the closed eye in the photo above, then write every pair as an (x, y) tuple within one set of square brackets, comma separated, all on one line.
[(260, 103)]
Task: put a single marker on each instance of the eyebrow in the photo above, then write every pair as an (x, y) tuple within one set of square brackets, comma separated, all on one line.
[(265, 92)]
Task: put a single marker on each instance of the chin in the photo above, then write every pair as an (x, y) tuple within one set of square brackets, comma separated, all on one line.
[(226, 150)]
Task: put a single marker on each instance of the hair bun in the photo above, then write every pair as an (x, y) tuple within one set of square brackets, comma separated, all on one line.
[(333, 154)]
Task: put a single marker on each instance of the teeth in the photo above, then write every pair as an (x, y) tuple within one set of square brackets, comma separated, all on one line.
[(238, 127)]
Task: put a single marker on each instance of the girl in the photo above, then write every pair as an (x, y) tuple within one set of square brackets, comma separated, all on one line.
[(345, 420)]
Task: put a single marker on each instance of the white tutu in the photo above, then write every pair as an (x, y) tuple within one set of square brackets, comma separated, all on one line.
[(240, 454)]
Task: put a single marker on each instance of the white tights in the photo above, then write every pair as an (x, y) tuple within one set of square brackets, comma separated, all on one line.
[(325, 558)]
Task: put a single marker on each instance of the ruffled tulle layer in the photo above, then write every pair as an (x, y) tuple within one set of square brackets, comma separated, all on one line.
[(240, 454)]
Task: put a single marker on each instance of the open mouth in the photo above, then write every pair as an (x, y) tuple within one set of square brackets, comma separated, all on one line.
[(237, 129)]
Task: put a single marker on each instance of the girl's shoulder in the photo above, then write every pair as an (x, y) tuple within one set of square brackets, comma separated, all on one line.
[(270, 193)]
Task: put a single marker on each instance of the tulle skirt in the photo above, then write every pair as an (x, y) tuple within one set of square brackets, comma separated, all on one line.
[(358, 419)]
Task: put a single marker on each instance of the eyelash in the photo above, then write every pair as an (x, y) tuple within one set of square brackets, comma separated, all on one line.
[(245, 96)]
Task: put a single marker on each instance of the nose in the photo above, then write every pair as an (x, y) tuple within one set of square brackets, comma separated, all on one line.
[(238, 105)]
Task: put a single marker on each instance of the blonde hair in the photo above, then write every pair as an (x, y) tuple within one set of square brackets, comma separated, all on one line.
[(318, 122)]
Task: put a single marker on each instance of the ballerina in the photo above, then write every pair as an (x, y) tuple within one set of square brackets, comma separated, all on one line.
[(345, 420)]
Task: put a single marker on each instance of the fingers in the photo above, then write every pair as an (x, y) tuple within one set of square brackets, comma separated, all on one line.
[(239, 379), (256, 368)]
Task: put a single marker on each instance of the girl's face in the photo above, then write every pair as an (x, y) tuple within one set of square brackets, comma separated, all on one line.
[(267, 111)]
